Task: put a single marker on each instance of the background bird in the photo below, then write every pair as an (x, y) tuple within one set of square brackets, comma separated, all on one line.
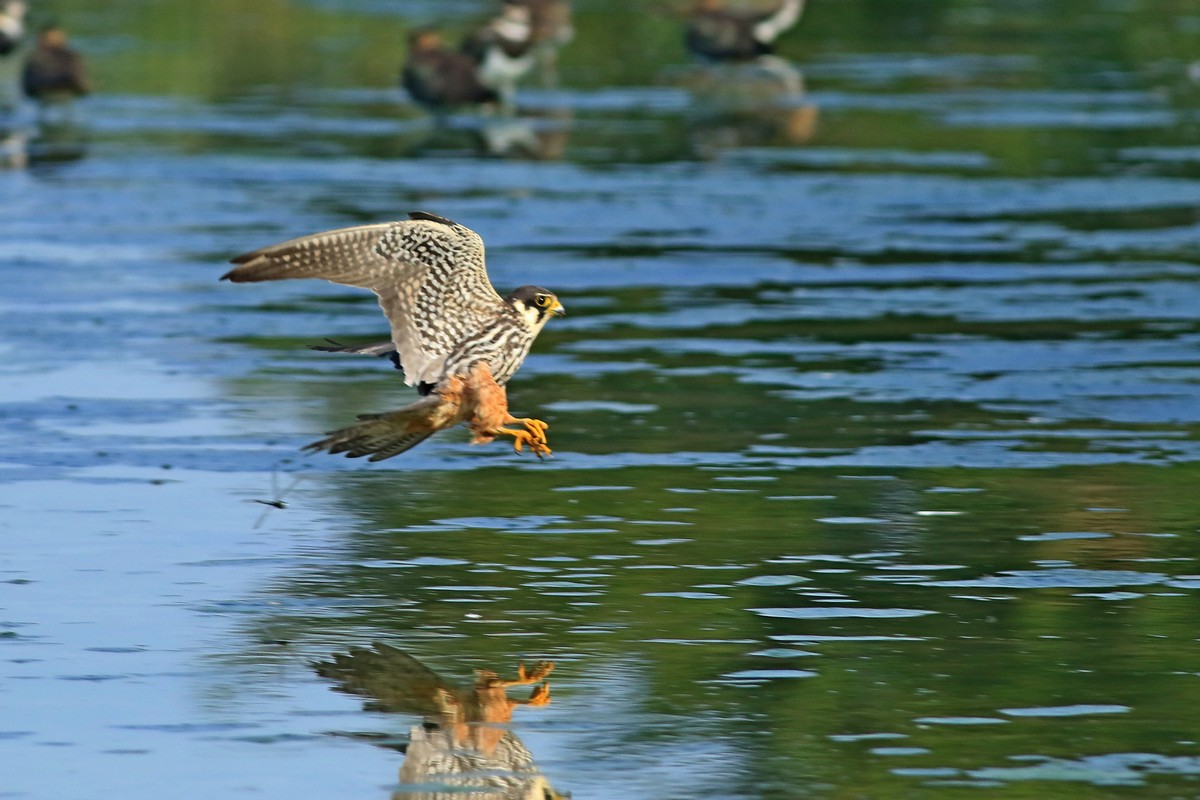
[(439, 77), (484, 70), (717, 33), (54, 72), (457, 340), (503, 49), (12, 46)]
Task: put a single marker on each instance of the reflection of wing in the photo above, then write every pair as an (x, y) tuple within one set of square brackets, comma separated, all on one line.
[(428, 272), (394, 680)]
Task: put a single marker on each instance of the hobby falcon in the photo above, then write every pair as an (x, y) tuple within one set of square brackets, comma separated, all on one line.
[(457, 340)]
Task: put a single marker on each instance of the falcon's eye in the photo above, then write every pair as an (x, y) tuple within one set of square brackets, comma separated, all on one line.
[(542, 300)]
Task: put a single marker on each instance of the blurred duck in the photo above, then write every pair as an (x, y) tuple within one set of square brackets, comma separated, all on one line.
[(503, 49), (484, 70), (12, 46), (12, 26), (717, 33), (54, 72), (438, 77)]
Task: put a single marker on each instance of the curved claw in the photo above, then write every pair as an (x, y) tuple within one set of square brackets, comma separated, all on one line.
[(540, 696), (534, 436), (535, 427), (535, 439)]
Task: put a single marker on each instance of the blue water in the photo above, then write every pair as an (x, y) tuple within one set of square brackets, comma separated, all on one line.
[(874, 416)]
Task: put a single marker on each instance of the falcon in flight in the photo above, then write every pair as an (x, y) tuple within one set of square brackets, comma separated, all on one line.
[(457, 340)]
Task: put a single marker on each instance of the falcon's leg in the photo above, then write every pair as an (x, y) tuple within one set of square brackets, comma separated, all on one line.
[(491, 415)]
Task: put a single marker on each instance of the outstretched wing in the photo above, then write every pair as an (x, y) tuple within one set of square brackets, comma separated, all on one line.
[(391, 678), (428, 272)]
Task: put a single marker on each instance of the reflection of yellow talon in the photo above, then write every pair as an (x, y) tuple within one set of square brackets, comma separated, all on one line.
[(540, 696)]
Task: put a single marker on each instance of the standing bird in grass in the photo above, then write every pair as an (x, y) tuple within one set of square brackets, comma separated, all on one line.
[(457, 340), (717, 33)]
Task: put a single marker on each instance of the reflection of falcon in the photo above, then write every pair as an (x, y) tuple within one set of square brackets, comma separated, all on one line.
[(457, 339), (465, 747)]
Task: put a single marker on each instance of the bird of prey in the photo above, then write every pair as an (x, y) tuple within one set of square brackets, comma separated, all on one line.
[(457, 340), (717, 33)]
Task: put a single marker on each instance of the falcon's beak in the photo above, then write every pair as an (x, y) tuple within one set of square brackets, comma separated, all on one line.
[(558, 309)]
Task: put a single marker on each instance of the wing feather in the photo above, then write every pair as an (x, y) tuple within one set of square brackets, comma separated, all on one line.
[(345, 256), (429, 273)]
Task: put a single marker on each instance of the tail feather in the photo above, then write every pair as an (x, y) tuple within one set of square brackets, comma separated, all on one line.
[(382, 436)]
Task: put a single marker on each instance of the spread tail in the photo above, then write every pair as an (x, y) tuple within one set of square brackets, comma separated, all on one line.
[(385, 435)]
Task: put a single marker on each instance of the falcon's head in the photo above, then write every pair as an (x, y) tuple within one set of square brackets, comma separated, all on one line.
[(535, 305)]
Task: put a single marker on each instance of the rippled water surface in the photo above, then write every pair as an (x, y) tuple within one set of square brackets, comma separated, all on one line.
[(876, 416)]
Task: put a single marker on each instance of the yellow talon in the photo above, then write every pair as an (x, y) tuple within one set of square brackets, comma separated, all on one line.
[(540, 696), (535, 427), (534, 436)]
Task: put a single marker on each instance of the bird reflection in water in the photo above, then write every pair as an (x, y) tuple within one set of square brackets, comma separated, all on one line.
[(743, 94), (464, 745), (532, 135), (749, 105), (25, 145)]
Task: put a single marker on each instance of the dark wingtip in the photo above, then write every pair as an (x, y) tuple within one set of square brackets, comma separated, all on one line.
[(244, 258), (430, 217)]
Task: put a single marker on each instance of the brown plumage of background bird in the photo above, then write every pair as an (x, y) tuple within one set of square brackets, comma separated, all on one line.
[(53, 71), (438, 77), (457, 340)]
